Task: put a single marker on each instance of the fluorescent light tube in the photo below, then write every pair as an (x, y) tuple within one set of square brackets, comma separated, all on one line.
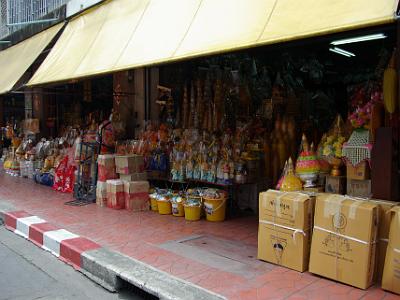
[(363, 38), (342, 52)]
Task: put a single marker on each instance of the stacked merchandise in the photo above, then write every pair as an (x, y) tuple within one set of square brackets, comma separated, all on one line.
[(24, 169), (357, 150), (53, 162), (131, 170), (191, 203), (106, 171), (122, 182), (42, 160), (196, 155), (350, 236), (32, 166)]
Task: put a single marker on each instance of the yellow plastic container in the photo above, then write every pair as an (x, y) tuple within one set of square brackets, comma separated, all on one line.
[(192, 213), (177, 209), (164, 207), (153, 204), (215, 209)]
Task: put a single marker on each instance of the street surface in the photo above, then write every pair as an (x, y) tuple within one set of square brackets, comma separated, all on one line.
[(28, 272)]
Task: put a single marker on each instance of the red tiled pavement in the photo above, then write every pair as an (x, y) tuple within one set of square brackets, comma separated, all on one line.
[(142, 236)]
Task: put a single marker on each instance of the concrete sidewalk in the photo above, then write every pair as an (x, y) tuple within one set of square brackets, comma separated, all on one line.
[(199, 257)]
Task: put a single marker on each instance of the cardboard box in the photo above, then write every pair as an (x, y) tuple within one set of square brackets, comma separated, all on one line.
[(129, 164), (284, 228), (359, 188), (115, 194), (359, 172), (344, 239), (335, 184), (391, 272), (137, 195), (383, 234), (134, 177), (106, 167), (101, 193)]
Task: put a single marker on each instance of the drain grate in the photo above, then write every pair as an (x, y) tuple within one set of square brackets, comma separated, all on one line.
[(130, 291)]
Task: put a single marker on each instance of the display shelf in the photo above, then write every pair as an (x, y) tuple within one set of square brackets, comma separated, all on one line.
[(194, 181)]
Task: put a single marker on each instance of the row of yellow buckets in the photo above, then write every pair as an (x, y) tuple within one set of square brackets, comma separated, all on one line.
[(214, 209)]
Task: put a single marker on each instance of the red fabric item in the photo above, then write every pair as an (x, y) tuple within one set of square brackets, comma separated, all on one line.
[(64, 177)]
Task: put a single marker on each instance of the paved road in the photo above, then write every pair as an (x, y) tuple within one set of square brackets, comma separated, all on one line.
[(27, 272)]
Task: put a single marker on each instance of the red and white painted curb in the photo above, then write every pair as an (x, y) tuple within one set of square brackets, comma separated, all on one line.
[(65, 245)]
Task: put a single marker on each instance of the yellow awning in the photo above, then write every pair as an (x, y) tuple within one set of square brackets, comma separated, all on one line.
[(124, 34), (16, 60)]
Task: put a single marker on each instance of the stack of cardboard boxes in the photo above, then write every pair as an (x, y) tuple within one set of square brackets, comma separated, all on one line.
[(106, 171), (358, 180), (122, 182), (131, 170), (350, 237), (356, 183)]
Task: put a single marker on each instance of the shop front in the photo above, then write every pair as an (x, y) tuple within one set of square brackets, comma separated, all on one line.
[(252, 109)]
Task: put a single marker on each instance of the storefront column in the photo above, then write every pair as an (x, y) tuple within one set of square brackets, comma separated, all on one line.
[(37, 108), (153, 82), (28, 106), (140, 105), (124, 105), (385, 168)]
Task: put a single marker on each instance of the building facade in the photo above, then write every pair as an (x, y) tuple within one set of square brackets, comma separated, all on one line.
[(18, 14)]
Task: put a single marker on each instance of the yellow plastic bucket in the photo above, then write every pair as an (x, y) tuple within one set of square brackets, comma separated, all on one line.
[(215, 209), (192, 213), (153, 204), (177, 209), (164, 207)]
